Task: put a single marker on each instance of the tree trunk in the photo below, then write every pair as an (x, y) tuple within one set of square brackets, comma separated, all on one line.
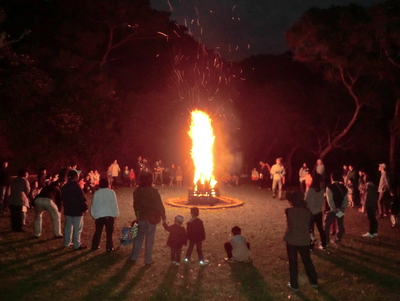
[(289, 169), (394, 138)]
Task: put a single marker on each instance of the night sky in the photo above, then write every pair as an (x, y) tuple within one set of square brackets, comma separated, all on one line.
[(241, 28)]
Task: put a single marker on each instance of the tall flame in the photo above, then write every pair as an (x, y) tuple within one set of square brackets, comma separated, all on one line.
[(201, 133)]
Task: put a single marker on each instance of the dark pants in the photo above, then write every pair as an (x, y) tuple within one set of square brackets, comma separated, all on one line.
[(383, 204), (373, 223), (316, 219), (304, 252), (303, 186), (330, 217), (198, 248), (108, 222), (228, 249), (176, 254), (114, 182), (16, 217)]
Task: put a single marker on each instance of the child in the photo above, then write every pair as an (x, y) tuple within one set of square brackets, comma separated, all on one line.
[(176, 238), (255, 176), (195, 234), (238, 249), (132, 178), (350, 190)]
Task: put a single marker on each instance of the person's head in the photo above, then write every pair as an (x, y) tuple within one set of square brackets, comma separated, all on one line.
[(103, 183), (278, 160), (22, 173), (126, 167), (316, 180), (296, 199), (179, 219), (131, 169), (236, 230), (115, 162), (304, 165), (72, 175), (35, 184), (146, 179), (172, 165), (5, 163), (382, 167), (344, 167), (194, 211), (351, 167), (336, 176)]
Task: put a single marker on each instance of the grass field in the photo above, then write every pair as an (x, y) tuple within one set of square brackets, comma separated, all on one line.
[(357, 269)]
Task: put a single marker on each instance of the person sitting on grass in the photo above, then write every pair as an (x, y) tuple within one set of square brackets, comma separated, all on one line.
[(176, 238), (297, 239), (237, 249), (195, 234)]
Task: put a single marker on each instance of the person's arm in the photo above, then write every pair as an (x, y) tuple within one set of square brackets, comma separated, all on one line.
[(329, 198)]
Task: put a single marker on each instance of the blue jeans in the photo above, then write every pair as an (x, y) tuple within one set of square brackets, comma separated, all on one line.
[(146, 231), (73, 224)]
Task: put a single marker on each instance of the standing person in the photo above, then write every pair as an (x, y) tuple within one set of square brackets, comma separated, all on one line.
[(172, 174), (395, 206), (370, 206), (297, 239), (237, 249), (158, 172), (5, 182), (125, 174), (149, 211), (337, 201), (176, 238), (320, 168), (75, 207), (362, 181), (132, 178), (104, 210), (352, 176), (179, 176), (278, 177), (315, 201), (196, 235), (302, 177), (19, 192), (47, 200), (265, 170), (115, 170), (384, 192), (345, 171), (255, 177)]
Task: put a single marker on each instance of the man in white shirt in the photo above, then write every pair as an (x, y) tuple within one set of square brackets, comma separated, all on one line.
[(278, 177)]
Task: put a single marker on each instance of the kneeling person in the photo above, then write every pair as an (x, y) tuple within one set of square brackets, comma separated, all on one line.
[(237, 249)]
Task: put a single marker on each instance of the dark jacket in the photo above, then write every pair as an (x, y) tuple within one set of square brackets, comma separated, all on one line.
[(74, 199), (52, 192), (371, 195), (177, 236), (298, 226), (195, 230), (147, 200)]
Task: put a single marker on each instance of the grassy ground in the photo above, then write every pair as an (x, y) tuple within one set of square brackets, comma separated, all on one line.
[(358, 269)]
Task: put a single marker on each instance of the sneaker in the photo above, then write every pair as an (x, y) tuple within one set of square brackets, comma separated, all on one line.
[(58, 236), (186, 260), (322, 248), (314, 286), (368, 235), (375, 234), (204, 262), (176, 263), (230, 260), (292, 288)]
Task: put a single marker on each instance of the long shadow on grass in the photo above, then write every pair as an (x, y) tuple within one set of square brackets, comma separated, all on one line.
[(165, 290), (381, 242), (250, 282), (47, 277), (354, 267)]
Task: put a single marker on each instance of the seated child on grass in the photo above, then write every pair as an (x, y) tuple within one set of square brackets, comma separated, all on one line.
[(237, 249)]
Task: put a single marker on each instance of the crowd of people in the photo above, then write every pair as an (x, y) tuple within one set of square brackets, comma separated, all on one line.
[(318, 203)]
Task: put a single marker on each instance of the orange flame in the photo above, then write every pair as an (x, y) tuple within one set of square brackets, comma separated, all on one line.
[(201, 133)]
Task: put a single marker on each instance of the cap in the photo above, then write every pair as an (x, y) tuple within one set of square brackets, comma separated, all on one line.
[(72, 174), (179, 219)]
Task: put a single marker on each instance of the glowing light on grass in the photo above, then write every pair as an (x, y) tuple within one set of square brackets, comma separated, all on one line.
[(201, 133)]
